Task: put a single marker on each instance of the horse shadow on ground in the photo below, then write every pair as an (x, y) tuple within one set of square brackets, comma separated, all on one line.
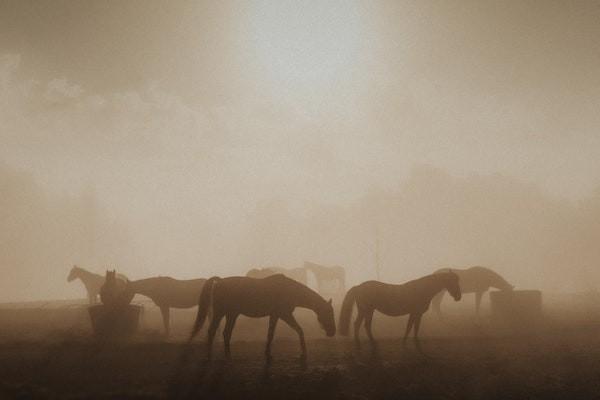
[(196, 377)]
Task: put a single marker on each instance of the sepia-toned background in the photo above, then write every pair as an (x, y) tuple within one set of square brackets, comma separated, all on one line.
[(197, 138)]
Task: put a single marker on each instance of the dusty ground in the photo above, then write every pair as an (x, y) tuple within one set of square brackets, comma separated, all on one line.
[(48, 351), (493, 368)]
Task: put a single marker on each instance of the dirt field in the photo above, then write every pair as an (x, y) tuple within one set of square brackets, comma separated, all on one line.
[(500, 368), (49, 352)]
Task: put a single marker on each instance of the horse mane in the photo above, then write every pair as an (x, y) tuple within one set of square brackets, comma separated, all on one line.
[(88, 272), (491, 273), (297, 285)]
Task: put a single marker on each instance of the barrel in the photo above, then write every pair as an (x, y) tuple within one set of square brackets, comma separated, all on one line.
[(516, 311), (114, 321)]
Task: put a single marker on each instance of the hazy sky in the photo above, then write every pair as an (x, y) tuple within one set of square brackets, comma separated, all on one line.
[(357, 90), (171, 108)]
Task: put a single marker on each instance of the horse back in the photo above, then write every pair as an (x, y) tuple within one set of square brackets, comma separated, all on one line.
[(255, 297), (394, 300), (170, 292)]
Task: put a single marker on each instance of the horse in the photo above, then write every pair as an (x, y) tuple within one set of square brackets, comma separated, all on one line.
[(297, 274), (411, 298), (325, 274), (168, 293), (92, 282), (473, 280), (113, 292), (275, 296)]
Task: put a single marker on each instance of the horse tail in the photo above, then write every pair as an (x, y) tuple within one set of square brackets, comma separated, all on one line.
[(346, 312), (204, 303)]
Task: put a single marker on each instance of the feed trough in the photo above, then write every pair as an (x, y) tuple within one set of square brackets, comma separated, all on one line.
[(518, 311), (115, 321)]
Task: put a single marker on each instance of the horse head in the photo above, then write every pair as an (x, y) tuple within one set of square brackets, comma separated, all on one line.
[(503, 285), (452, 285), (110, 278), (326, 318), (73, 274)]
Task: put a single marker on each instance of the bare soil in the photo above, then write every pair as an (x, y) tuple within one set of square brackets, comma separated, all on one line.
[(457, 368)]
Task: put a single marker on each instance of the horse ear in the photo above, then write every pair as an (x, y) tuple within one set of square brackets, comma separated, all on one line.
[(329, 302)]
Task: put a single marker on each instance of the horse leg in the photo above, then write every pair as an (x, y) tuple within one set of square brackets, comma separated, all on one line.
[(166, 319), (437, 303), (229, 324), (291, 321), (478, 297), (272, 325), (368, 322), (212, 329), (417, 325), (357, 323), (409, 325)]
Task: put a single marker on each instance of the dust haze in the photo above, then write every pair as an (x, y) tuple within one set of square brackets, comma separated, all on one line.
[(198, 139)]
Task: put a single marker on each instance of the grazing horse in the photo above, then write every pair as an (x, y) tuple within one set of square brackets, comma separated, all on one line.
[(92, 282), (297, 274), (411, 298), (168, 293), (473, 280), (325, 274), (113, 292), (275, 296)]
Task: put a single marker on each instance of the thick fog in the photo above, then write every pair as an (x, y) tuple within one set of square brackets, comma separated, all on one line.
[(198, 139)]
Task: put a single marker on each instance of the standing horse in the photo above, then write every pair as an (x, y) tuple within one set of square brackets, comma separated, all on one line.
[(325, 275), (113, 292), (411, 298), (168, 293), (275, 296), (92, 282), (473, 280), (297, 274)]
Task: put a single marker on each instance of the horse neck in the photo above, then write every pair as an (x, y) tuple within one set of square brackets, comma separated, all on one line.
[(140, 287), (143, 286), (435, 286), (88, 277), (307, 298), (499, 282)]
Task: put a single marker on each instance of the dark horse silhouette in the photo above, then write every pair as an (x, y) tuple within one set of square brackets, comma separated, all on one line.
[(275, 296), (92, 282), (473, 280), (168, 293), (411, 298), (113, 292)]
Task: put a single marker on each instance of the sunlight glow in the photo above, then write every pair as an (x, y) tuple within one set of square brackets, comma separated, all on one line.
[(305, 43)]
